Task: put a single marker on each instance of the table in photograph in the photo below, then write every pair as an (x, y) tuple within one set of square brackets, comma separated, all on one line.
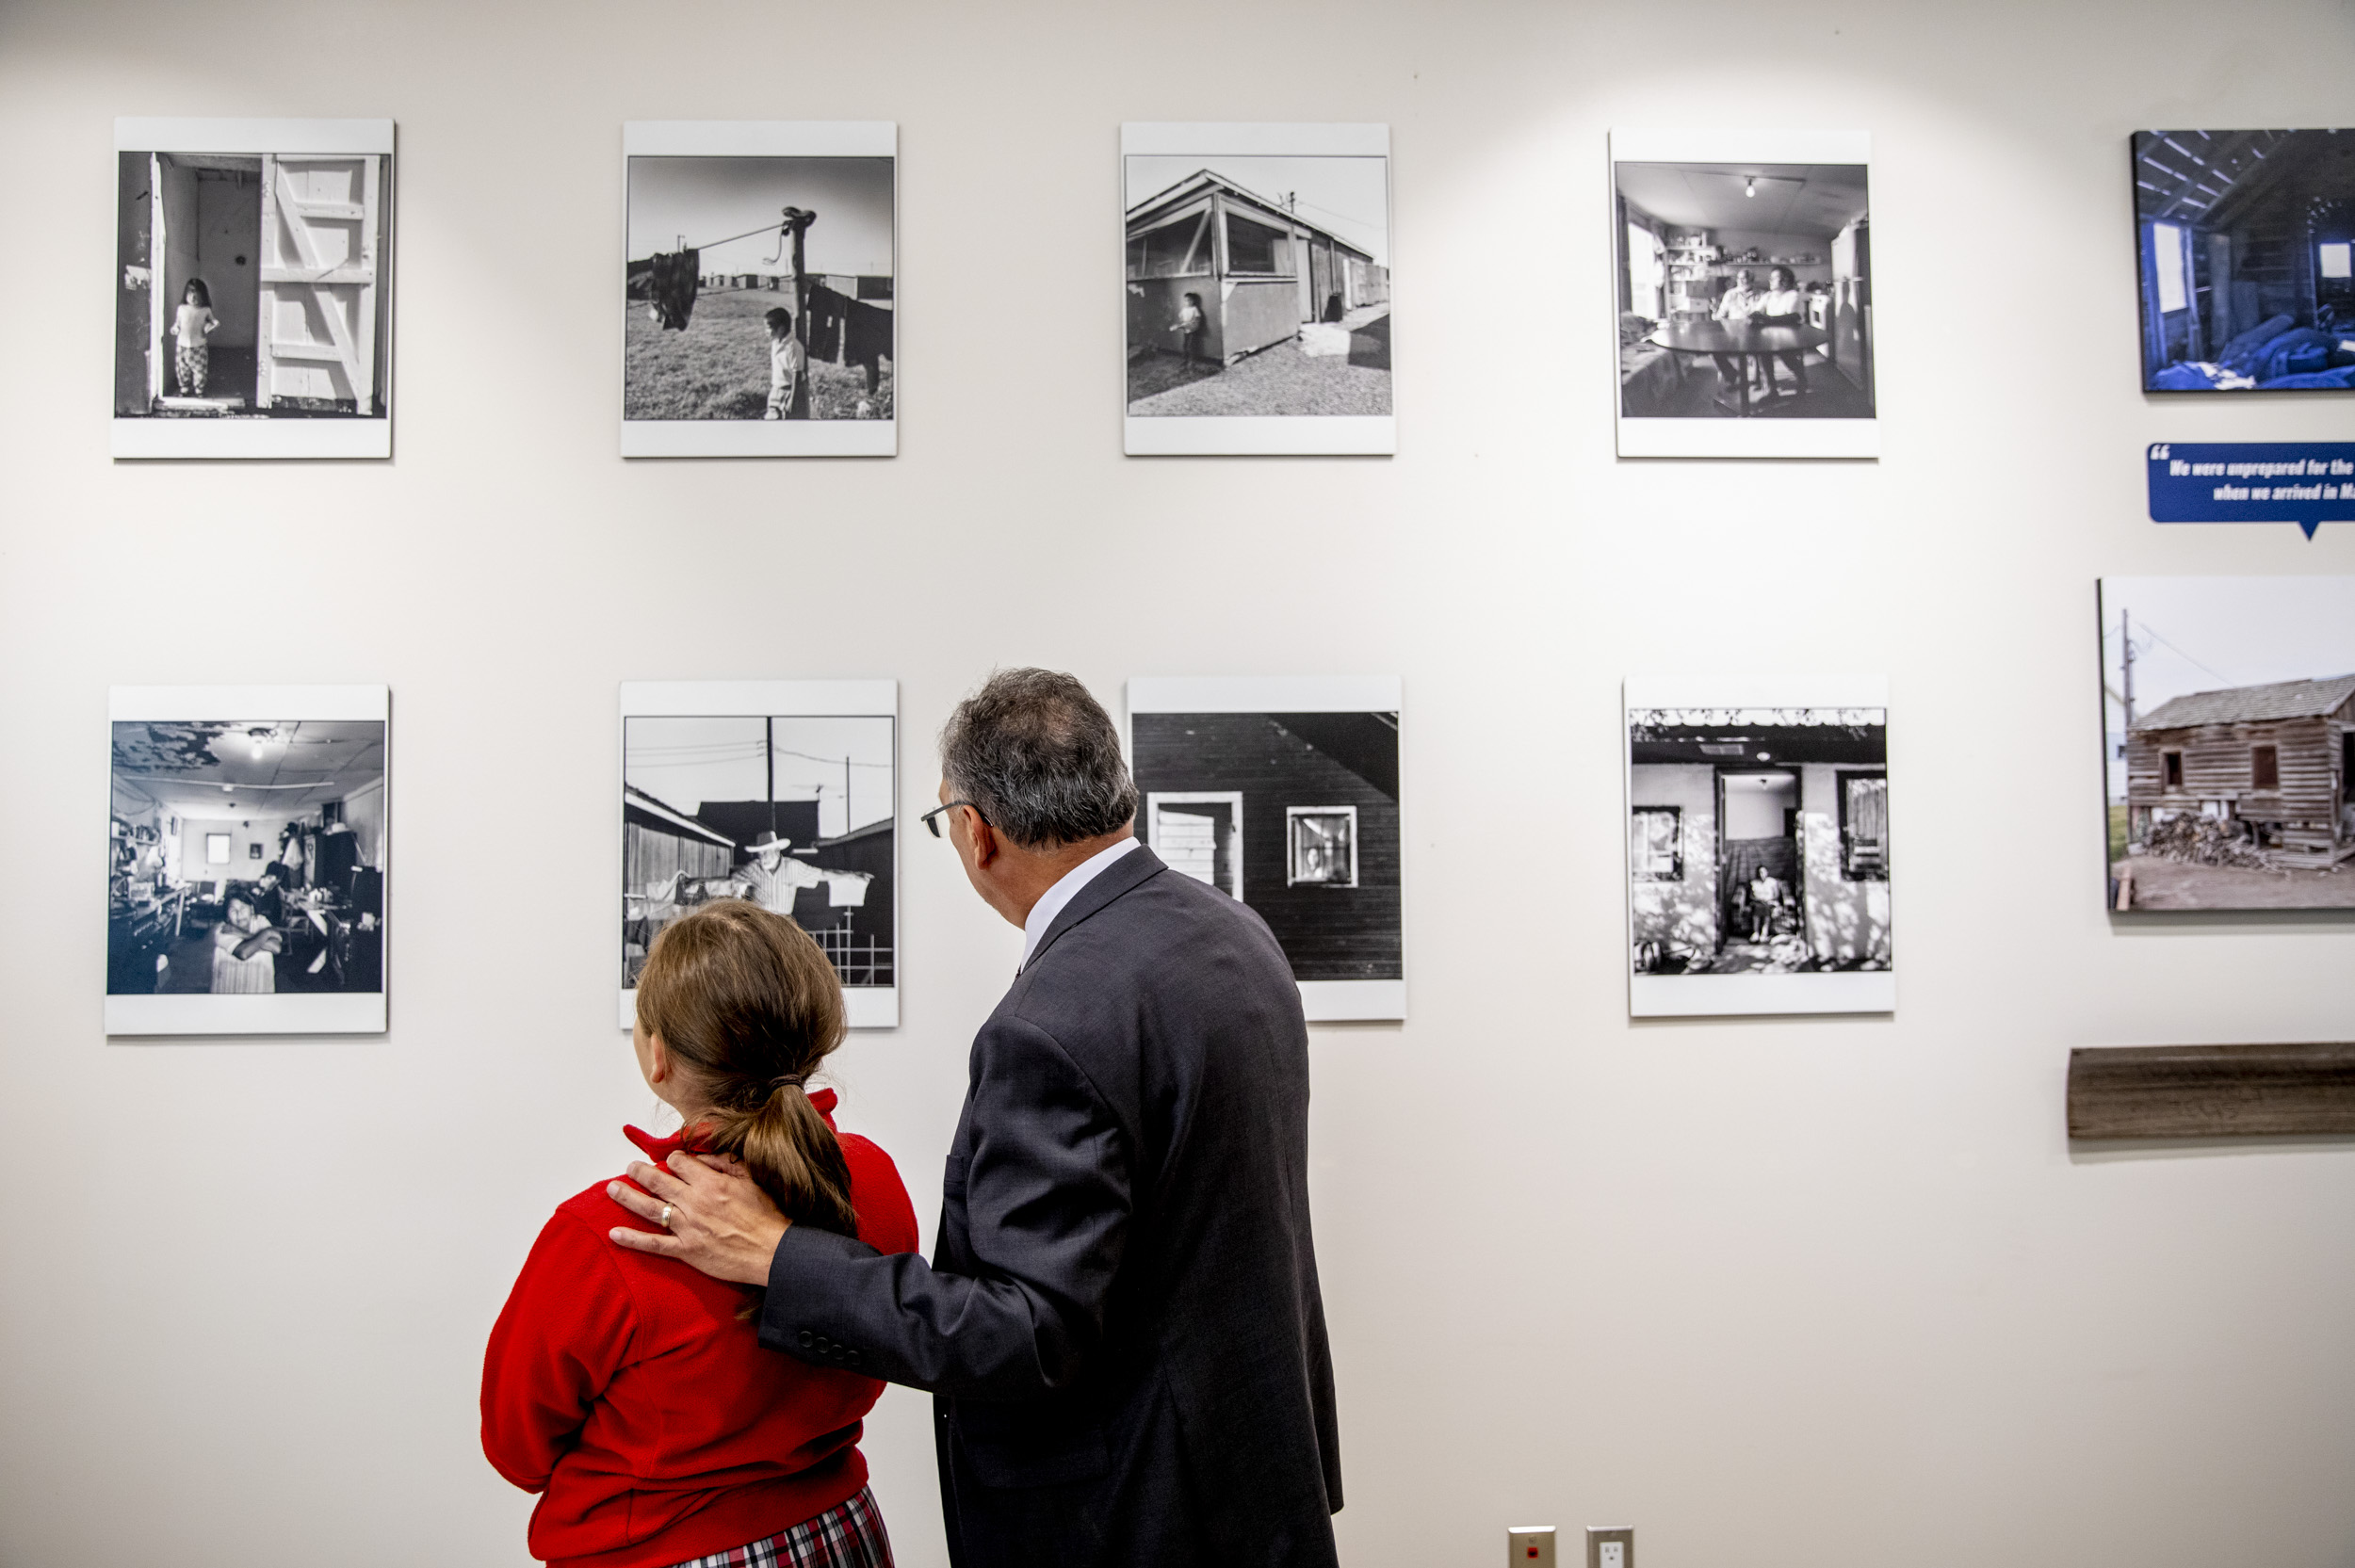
[(1741, 340)]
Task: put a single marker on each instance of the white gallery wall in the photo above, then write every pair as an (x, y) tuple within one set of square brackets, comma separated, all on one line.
[(1775, 1292)]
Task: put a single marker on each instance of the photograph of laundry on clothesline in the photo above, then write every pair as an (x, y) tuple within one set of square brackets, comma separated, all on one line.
[(795, 814), (1745, 291), (2248, 251), (1258, 285), (760, 289), (251, 287)]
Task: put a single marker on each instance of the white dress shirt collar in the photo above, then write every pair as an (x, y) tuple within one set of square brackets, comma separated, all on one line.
[(1051, 902)]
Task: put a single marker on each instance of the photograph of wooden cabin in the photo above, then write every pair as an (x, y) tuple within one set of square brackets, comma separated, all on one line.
[(795, 813), (1296, 815), (1257, 285), (1745, 290), (2247, 241), (246, 881), (1757, 840), (252, 287), (759, 289), (2231, 748)]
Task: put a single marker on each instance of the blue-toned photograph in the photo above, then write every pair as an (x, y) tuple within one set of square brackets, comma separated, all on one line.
[(2246, 240)]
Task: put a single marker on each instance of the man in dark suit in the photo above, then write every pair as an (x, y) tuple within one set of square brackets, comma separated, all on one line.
[(1121, 1322)]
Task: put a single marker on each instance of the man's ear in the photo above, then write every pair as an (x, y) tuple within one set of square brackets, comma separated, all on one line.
[(985, 845)]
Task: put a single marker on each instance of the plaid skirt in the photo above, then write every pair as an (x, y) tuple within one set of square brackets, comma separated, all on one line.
[(849, 1535)]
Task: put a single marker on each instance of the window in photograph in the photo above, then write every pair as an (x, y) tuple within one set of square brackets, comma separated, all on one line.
[(1656, 843), (2172, 762), (2335, 260), (1256, 248), (2167, 249), (1323, 846), (1178, 250), (1864, 826), (216, 849), (2265, 767)]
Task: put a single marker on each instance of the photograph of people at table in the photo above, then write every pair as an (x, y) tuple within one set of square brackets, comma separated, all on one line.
[(246, 858), (1745, 291)]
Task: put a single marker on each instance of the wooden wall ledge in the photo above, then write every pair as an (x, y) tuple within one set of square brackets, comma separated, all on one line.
[(2211, 1091)]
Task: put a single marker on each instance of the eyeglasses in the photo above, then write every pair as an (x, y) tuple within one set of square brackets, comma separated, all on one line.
[(931, 819)]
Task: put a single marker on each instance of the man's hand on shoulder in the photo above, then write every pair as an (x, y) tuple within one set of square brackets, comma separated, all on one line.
[(711, 1217)]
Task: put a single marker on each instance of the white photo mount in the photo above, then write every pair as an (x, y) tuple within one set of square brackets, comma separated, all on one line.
[(1737, 701), (1654, 437), (866, 1007), (295, 141), (1323, 1000), (766, 138), (1259, 435), (293, 1013)]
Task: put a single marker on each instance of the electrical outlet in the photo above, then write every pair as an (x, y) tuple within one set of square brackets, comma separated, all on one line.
[(1529, 1546), (1610, 1546)]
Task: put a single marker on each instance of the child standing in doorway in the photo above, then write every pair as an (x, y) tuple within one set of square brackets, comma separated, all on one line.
[(191, 361), (1191, 326), (788, 361)]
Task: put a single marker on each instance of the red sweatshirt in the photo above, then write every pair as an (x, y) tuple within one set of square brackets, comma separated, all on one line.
[(623, 1389)]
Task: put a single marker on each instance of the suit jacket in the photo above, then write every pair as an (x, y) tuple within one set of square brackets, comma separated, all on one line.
[(1121, 1321)]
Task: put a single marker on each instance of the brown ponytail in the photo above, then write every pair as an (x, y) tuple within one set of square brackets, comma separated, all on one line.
[(748, 1008)]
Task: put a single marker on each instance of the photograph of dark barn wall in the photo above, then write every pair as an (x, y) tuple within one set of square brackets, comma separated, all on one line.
[(1294, 780), (1759, 840), (2230, 750), (2247, 245)]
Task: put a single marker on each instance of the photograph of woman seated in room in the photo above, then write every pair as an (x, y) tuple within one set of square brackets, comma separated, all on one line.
[(246, 858)]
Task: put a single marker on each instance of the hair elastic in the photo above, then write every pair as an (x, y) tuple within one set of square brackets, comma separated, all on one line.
[(789, 1080)]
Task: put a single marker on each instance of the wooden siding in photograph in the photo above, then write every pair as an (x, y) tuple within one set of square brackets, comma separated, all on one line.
[(2218, 761), (1328, 933), (2211, 1091)]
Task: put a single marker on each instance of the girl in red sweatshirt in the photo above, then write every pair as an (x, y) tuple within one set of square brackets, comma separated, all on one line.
[(630, 1391)]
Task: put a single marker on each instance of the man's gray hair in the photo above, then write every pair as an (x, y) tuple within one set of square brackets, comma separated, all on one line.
[(1039, 758)]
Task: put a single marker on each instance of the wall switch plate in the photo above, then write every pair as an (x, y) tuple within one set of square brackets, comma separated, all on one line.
[(1610, 1546), (1529, 1546)]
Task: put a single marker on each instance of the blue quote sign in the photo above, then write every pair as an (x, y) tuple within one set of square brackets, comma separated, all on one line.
[(2305, 482)]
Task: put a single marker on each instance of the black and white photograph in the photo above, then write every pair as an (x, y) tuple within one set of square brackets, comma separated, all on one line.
[(1745, 294), (1283, 793), (245, 873), (253, 289), (2229, 751), (1758, 838), (2247, 245), (785, 793), (1257, 282), (760, 288)]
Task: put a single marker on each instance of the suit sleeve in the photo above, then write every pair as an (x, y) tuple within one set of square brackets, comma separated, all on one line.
[(1047, 1203), (564, 1333)]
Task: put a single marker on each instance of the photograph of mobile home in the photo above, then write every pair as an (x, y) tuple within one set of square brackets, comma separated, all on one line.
[(2247, 242), (1257, 285)]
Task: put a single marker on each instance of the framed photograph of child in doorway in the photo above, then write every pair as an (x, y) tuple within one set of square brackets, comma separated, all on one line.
[(1742, 294), (760, 289), (1257, 288), (253, 289)]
